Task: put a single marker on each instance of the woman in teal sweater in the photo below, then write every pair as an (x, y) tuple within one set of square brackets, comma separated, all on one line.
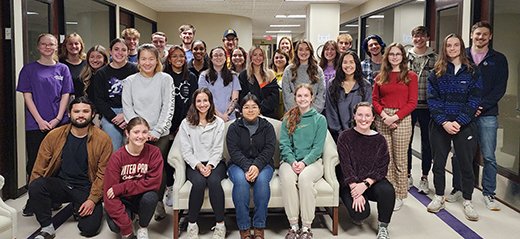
[(302, 137)]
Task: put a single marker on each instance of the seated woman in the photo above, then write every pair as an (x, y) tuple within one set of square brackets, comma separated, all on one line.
[(132, 178), (250, 143), (364, 159), (202, 136), (302, 137)]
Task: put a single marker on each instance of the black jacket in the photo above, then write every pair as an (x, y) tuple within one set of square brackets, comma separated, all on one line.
[(246, 150), (269, 95)]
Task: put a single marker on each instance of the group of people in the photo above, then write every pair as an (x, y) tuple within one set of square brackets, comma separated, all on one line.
[(370, 108)]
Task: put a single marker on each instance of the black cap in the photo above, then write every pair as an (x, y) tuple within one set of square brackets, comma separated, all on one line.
[(230, 32)]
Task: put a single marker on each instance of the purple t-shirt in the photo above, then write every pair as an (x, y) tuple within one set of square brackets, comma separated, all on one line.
[(47, 84), (221, 93), (329, 73)]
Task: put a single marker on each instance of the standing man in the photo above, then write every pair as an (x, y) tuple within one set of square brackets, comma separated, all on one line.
[(494, 69), (70, 167), (230, 41), (421, 60), (344, 42), (131, 37), (187, 34), (159, 40), (374, 47)]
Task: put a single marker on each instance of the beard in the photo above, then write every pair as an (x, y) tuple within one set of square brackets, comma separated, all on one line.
[(81, 125)]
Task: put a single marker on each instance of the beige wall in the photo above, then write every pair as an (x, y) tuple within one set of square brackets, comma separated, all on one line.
[(321, 23), (136, 7), (210, 27)]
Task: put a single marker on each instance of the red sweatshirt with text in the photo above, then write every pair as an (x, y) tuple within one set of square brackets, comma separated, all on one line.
[(130, 176)]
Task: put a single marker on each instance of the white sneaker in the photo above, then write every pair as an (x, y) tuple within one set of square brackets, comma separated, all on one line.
[(410, 181), (423, 186), (193, 231), (168, 200), (454, 196), (142, 233), (469, 211), (219, 231), (382, 233), (490, 202), (436, 204), (398, 204), (160, 213)]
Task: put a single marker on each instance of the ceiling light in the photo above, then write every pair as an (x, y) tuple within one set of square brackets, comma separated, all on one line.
[(351, 25), (279, 31), (71, 23), (286, 25), (311, 0), (377, 16), (290, 16), (32, 13)]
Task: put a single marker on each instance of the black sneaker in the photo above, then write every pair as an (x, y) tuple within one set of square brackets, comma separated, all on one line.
[(56, 206), (27, 212)]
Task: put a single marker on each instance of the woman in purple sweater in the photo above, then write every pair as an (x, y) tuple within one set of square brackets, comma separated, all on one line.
[(364, 158)]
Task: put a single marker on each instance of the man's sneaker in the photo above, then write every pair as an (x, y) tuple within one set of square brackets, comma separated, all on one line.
[(410, 181), (398, 204), (27, 212), (454, 196), (305, 233), (382, 233), (142, 233), (193, 231), (160, 213), (469, 211), (219, 231), (436, 204), (423, 186), (168, 200), (491, 203), (291, 234)]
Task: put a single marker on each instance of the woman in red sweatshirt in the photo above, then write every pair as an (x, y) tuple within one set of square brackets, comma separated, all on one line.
[(132, 178), (394, 98)]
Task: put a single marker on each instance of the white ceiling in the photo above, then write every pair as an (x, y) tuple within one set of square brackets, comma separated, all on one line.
[(261, 12)]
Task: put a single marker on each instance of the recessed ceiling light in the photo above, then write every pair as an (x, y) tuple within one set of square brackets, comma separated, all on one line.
[(311, 0), (377, 16), (279, 31), (290, 16), (351, 25), (32, 13), (71, 23), (284, 25)]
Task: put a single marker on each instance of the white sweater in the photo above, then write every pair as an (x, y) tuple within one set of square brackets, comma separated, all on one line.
[(202, 143), (151, 98)]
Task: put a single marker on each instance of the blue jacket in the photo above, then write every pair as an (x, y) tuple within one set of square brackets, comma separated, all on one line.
[(454, 97), (494, 72)]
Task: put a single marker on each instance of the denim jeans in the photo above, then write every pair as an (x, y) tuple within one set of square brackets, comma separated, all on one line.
[(241, 194), (487, 128), (115, 133)]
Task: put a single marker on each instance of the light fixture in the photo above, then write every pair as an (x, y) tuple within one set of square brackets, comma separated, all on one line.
[(290, 16), (321, 1), (32, 13), (71, 23), (377, 16), (279, 31), (284, 25), (351, 25)]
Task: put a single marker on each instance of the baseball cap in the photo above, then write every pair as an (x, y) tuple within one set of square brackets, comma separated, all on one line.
[(230, 32)]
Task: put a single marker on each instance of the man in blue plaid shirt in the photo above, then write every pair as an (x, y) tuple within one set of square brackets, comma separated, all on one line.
[(374, 47)]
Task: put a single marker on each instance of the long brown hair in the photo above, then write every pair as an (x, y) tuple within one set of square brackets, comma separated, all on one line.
[(193, 113), (168, 68), (212, 75), (291, 49), (386, 67), (312, 69), (323, 61), (294, 115), (64, 52), (442, 62), (88, 71)]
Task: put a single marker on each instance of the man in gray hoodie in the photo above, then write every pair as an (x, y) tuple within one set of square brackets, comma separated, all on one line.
[(421, 60)]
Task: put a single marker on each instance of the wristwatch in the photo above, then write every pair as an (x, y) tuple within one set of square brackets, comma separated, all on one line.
[(366, 183)]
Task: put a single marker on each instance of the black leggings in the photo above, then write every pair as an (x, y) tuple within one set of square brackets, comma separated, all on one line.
[(216, 193), (381, 192), (142, 205)]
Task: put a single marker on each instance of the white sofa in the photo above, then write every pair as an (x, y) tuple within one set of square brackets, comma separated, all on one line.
[(327, 187), (7, 217)]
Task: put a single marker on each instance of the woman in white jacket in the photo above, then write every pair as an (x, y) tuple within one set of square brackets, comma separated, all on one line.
[(202, 137)]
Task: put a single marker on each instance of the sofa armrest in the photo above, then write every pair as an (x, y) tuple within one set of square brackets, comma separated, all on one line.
[(330, 161), (177, 162), (8, 211)]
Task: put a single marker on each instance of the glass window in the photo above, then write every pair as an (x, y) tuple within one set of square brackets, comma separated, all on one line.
[(89, 19), (351, 28), (505, 40), (38, 22), (145, 27)]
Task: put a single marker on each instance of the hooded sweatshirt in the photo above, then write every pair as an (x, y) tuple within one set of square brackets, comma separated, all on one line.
[(307, 141), (422, 65)]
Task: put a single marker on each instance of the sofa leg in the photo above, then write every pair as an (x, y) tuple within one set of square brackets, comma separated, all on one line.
[(176, 229), (335, 220)]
